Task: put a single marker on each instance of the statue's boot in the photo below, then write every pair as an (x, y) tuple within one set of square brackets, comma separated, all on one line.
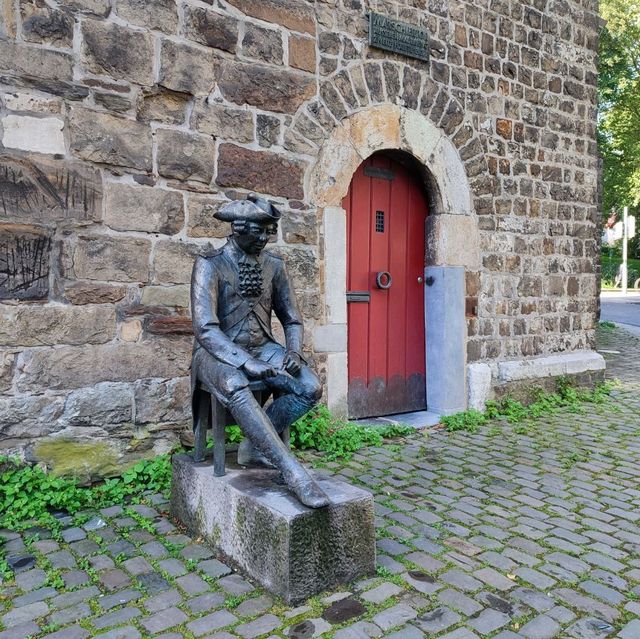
[(257, 427), (248, 455), (285, 410)]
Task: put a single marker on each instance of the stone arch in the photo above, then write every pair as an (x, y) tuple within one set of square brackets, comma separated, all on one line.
[(363, 85), (451, 241)]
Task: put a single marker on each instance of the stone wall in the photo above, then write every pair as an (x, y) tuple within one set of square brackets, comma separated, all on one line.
[(124, 124)]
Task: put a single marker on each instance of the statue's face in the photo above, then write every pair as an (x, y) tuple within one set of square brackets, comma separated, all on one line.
[(255, 236)]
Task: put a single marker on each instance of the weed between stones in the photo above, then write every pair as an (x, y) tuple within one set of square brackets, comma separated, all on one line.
[(29, 493), (566, 397)]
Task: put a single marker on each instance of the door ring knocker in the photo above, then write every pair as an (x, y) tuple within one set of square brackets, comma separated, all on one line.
[(383, 280)]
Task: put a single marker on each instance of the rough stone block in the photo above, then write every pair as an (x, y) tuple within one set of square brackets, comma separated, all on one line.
[(141, 208), (163, 105), (42, 135), (173, 261), (92, 293), (453, 241), (78, 366), (30, 417), (97, 7), (39, 189), (302, 53), (267, 88), (8, 26), (153, 14), (262, 44), (201, 221), (111, 49), (288, 13), (302, 264), (262, 171), (176, 296), (187, 69), (185, 156), (20, 59), (99, 137), (105, 258), (103, 405), (23, 101), (163, 401), (48, 325), (210, 28), (43, 24), (260, 526), (6, 371), (221, 121)]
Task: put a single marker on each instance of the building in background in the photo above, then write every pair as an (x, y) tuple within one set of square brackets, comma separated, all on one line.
[(441, 218)]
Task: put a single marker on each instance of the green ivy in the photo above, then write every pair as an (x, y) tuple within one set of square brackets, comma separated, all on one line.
[(28, 493)]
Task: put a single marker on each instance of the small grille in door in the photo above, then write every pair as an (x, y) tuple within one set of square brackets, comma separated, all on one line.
[(379, 221)]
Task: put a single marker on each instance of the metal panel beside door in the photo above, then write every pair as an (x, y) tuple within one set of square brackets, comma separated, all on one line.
[(386, 211)]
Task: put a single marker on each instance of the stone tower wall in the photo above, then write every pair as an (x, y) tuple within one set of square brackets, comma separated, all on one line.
[(124, 124)]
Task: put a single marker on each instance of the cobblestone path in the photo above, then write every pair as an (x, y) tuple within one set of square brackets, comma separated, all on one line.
[(516, 531)]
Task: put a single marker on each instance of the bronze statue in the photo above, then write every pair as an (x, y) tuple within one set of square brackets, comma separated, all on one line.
[(233, 292)]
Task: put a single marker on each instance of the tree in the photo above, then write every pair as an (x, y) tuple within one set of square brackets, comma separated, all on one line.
[(619, 96)]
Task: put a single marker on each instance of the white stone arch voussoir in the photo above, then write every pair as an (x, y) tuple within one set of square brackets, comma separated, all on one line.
[(451, 241)]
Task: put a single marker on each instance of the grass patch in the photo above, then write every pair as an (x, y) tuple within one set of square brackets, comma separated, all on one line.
[(545, 403), (30, 494), (339, 438)]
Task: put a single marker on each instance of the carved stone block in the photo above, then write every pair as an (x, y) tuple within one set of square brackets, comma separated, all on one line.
[(47, 190), (24, 262)]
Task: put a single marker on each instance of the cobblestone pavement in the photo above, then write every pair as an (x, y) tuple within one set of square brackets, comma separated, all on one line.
[(527, 531)]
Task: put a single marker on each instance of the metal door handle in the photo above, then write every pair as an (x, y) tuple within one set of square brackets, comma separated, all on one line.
[(384, 280)]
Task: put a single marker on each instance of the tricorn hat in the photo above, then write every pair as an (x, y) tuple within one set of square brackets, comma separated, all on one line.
[(253, 209)]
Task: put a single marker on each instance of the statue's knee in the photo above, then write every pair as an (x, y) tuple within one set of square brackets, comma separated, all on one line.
[(233, 384), (312, 387)]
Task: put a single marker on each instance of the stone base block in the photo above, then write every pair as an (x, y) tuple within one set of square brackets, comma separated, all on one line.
[(260, 527), (520, 379)]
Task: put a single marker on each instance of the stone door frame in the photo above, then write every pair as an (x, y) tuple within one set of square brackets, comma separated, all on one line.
[(451, 241)]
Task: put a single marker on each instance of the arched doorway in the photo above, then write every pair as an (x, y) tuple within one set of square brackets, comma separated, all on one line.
[(452, 243), (386, 211)]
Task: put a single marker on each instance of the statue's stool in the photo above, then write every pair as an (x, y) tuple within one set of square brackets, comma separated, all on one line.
[(212, 414)]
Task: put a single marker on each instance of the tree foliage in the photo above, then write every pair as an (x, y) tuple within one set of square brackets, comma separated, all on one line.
[(619, 94)]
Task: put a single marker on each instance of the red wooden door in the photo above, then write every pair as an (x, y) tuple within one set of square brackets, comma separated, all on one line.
[(386, 212)]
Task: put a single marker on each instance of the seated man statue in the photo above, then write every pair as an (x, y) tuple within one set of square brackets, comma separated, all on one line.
[(233, 292)]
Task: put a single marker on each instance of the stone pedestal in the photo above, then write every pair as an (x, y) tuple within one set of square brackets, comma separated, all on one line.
[(262, 529)]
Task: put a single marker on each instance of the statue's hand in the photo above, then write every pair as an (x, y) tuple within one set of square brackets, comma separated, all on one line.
[(256, 369), (292, 363)]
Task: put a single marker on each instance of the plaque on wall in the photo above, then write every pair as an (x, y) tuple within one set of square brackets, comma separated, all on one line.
[(398, 37)]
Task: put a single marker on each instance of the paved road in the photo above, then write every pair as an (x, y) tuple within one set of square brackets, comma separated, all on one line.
[(621, 309), (512, 532)]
